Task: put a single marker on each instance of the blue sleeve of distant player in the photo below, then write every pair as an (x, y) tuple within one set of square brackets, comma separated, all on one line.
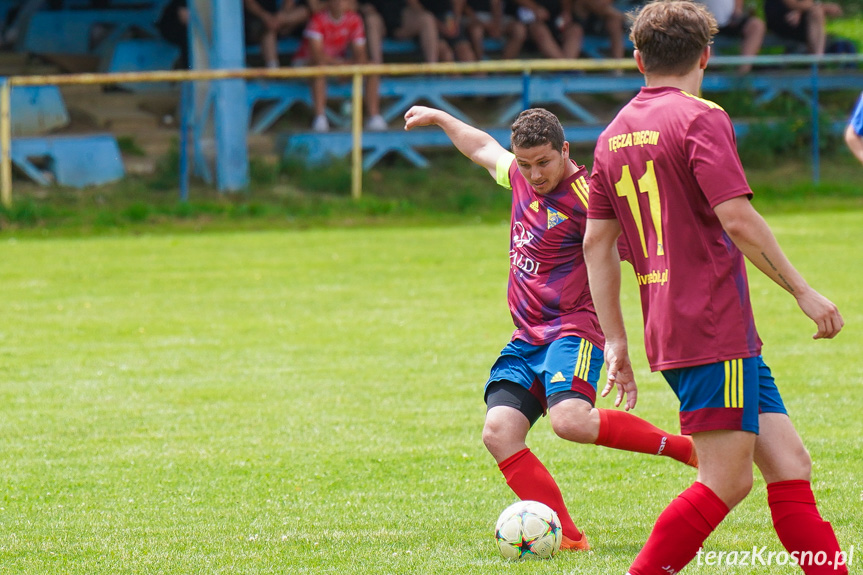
[(857, 117)]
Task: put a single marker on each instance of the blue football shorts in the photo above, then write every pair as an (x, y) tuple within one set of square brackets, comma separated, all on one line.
[(569, 367), (724, 395)]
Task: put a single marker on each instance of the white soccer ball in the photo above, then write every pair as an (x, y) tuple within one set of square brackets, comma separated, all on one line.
[(528, 529)]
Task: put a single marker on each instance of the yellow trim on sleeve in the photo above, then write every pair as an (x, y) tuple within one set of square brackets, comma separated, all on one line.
[(502, 170), (708, 103)]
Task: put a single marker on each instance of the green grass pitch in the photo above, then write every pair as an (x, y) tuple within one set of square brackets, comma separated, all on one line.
[(310, 402)]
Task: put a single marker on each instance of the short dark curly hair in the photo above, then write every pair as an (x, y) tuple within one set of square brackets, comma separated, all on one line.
[(537, 127)]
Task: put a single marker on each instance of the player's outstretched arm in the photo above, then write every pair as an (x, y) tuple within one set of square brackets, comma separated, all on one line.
[(603, 272), (749, 232), (477, 145)]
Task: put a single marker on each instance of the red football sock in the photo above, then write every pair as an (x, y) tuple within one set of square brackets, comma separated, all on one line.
[(530, 480), (680, 531), (622, 430), (802, 530)]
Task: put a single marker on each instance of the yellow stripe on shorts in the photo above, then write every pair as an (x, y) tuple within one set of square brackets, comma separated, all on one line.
[(734, 383), (582, 366)]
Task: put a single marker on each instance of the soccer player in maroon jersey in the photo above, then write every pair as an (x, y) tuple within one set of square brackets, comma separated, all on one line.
[(553, 361), (667, 176)]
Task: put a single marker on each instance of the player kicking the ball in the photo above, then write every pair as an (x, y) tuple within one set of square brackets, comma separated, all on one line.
[(553, 361), (667, 176)]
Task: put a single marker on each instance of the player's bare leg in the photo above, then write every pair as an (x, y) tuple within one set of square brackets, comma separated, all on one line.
[(724, 479), (504, 435), (779, 452), (505, 432), (576, 420), (725, 463), (786, 466)]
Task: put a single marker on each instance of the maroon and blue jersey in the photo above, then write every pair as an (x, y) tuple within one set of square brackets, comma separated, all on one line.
[(548, 293), (660, 168)]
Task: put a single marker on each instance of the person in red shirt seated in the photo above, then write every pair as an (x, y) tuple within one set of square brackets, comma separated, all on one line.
[(336, 35)]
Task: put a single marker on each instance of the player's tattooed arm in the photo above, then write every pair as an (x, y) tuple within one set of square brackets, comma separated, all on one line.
[(783, 282), (751, 234)]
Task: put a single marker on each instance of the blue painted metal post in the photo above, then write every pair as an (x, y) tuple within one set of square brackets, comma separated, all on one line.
[(220, 123), (816, 135), (525, 90)]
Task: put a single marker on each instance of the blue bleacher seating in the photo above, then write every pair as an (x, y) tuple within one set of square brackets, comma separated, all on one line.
[(542, 89), (83, 32), (71, 160), (275, 98), (401, 92), (141, 55), (37, 110)]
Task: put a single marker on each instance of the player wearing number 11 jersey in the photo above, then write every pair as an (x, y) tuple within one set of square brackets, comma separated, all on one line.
[(675, 154), (666, 176)]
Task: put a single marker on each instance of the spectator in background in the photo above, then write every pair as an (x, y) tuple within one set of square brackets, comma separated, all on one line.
[(335, 35), (455, 44), (173, 26), (854, 131), (600, 16), (487, 18), (735, 21), (266, 21), (551, 28), (801, 20), (401, 20)]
